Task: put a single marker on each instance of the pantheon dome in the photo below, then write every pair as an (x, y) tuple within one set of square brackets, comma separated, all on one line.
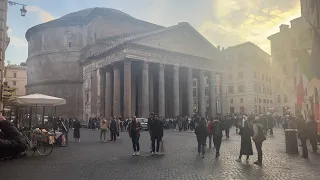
[(56, 48)]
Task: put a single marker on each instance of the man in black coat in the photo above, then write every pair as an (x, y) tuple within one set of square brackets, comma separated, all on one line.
[(113, 129), (156, 128), (11, 142)]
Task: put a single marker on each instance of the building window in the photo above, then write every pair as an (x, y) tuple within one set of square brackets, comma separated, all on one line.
[(205, 80), (255, 99), (230, 77), (262, 77), (267, 79), (241, 100), (240, 75), (15, 75), (14, 83), (255, 74), (206, 92), (259, 100), (230, 89), (194, 93), (95, 36), (69, 44), (91, 40), (264, 100), (231, 101), (194, 83), (87, 97), (241, 88), (279, 99), (271, 101), (44, 47), (285, 99)]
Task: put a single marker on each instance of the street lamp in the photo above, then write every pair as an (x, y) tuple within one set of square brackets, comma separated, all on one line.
[(22, 10)]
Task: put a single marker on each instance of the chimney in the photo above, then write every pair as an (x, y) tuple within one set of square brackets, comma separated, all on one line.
[(222, 48), (283, 27), (218, 47)]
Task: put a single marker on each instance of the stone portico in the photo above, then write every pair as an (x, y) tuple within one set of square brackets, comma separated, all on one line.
[(152, 72)]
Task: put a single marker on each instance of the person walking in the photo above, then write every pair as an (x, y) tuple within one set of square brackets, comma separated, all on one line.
[(156, 135), (217, 135), (76, 131), (134, 129), (210, 132), (150, 120), (113, 130), (104, 129), (258, 138), (246, 146), (202, 133)]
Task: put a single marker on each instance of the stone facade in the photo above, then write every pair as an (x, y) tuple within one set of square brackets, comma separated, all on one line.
[(153, 76), (249, 79), (55, 49), (107, 63), (16, 77)]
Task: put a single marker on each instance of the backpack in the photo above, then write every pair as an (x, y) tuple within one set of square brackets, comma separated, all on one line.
[(260, 137), (210, 127), (217, 128)]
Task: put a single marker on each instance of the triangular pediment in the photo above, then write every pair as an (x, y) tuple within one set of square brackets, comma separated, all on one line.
[(182, 38)]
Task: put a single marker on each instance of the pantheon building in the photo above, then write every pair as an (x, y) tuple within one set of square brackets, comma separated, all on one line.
[(108, 63)]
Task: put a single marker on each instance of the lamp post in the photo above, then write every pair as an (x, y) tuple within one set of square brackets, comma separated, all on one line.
[(22, 10)]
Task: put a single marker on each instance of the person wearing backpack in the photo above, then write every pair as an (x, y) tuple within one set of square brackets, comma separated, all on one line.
[(258, 138), (217, 135), (210, 132)]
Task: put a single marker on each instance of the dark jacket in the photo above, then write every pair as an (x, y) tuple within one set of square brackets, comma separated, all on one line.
[(217, 128), (138, 128), (156, 128), (246, 144), (12, 142), (113, 125), (202, 132)]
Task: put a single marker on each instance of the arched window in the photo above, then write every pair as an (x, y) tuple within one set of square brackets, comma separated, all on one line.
[(285, 98)]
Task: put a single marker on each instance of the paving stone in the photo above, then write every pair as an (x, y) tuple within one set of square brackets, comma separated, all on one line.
[(94, 160)]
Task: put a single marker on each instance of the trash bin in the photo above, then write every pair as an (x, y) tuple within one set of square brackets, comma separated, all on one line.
[(291, 141)]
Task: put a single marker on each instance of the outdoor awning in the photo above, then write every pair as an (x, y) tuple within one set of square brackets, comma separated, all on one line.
[(38, 99)]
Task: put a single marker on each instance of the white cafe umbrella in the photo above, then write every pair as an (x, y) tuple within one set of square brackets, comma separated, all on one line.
[(39, 100)]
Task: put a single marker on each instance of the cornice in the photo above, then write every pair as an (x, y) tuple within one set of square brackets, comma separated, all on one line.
[(53, 82), (39, 53)]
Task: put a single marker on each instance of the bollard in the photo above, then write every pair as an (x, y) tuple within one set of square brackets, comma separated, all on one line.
[(291, 141)]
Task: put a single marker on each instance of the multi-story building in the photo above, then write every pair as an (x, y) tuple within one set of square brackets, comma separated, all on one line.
[(16, 77), (286, 47), (4, 42), (249, 79)]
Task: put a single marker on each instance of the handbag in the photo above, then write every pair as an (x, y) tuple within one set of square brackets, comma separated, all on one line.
[(162, 147)]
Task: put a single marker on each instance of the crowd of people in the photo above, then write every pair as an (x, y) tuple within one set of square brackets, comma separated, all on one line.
[(251, 128)]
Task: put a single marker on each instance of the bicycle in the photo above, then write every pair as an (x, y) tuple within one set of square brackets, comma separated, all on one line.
[(40, 142)]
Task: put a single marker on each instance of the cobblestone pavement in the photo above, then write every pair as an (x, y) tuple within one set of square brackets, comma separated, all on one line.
[(92, 160)]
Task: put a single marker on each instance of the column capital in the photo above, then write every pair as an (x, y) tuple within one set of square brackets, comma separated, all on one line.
[(145, 65), (176, 68), (161, 66), (127, 63)]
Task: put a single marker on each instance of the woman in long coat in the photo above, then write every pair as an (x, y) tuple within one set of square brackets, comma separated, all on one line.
[(76, 131), (246, 133)]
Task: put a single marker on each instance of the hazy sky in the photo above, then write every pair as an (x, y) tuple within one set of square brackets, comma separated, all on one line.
[(222, 22)]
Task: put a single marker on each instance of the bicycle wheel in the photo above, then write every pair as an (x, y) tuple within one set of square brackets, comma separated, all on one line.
[(44, 149)]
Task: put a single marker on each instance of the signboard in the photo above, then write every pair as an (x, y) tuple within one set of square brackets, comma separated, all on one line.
[(310, 9)]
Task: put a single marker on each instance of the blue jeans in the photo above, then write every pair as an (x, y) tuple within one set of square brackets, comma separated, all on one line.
[(135, 143)]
